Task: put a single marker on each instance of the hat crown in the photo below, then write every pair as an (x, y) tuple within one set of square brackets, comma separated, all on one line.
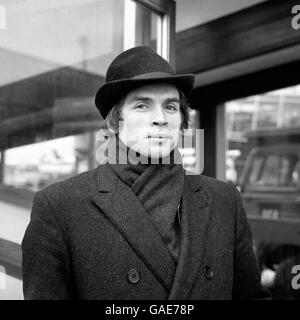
[(135, 67), (135, 62)]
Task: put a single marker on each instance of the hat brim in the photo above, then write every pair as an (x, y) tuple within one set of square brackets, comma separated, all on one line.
[(110, 93)]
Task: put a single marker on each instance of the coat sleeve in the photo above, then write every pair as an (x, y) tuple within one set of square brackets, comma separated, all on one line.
[(45, 262), (246, 277)]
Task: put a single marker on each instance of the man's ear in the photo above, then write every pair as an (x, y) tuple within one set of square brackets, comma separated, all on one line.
[(110, 128)]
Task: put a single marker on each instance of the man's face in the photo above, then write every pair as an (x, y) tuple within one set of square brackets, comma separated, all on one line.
[(151, 120)]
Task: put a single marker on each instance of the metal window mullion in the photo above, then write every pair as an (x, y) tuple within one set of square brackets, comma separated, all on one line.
[(166, 27)]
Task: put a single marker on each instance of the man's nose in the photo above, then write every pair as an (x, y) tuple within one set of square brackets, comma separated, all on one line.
[(159, 118)]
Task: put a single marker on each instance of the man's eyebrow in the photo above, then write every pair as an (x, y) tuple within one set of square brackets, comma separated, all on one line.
[(148, 99), (139, 98), (169, 100)]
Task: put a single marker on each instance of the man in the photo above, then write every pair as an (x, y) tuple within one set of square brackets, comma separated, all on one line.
[(138, 230)]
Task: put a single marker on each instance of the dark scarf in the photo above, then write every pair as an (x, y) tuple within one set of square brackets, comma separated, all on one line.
[(159, 189)]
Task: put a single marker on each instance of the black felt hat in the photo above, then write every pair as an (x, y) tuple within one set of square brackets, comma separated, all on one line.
[(137, 67)]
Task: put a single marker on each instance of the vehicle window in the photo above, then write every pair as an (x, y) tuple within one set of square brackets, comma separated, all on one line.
[(255, 170), (269, 176), (275, 171), (287, 167)]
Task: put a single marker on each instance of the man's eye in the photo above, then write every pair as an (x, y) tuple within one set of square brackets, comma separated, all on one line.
[(171, 108), (141, 107)]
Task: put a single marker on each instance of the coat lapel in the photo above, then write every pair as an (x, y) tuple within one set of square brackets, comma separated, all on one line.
[(194, 225), (124, 210)]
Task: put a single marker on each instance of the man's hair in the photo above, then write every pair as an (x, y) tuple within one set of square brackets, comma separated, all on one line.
[(114, 116)]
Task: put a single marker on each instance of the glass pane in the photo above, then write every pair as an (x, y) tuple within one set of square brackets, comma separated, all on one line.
[(54, 56), (268, 119), (263, 144)]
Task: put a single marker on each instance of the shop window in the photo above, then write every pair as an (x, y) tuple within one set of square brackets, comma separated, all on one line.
[(256, 120), (263, 146), (53, 59)]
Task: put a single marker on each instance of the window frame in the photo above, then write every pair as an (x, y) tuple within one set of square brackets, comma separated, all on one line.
[(166, 9)]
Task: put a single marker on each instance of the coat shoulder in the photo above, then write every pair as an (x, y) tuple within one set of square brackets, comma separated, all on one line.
[(214, 185), (217, 184), (222, 195), (74, 187)]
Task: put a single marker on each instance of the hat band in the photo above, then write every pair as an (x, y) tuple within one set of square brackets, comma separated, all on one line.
[(153, 75)]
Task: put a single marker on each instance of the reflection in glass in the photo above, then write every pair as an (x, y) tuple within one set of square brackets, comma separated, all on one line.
[(54, 56), (265, 130), (270, 111)]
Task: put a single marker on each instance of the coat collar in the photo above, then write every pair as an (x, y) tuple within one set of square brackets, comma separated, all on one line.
[(124, 210)]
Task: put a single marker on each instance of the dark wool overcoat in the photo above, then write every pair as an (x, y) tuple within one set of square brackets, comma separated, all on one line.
[(90, 238)]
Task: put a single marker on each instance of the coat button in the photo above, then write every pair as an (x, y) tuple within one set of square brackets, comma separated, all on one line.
[(133, 276), (208, 273)]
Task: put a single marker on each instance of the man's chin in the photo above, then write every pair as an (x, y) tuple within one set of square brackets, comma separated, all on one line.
[(157, 153)]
